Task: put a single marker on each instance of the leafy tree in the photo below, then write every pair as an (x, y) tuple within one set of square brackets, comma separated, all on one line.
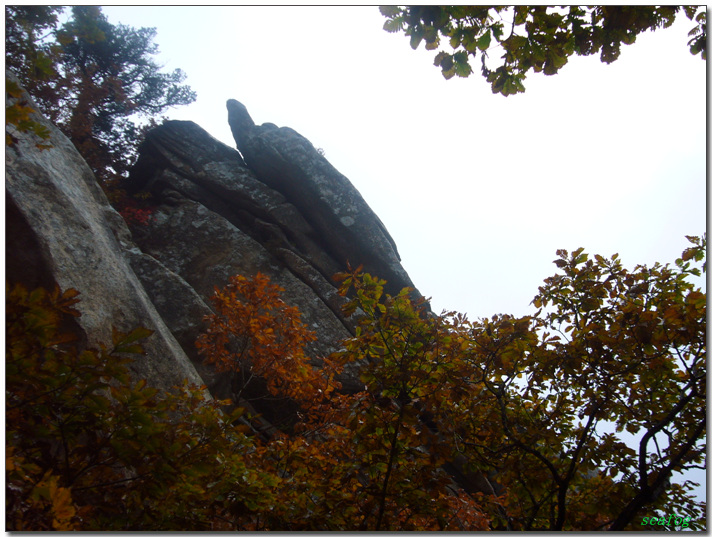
[(541, 38), (33, 63), (92, 79), (26, 50), (540, 402)]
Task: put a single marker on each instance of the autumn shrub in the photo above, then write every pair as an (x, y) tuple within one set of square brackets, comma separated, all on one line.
[(87, 449), (254, 333), (353, 462), (136, 209)]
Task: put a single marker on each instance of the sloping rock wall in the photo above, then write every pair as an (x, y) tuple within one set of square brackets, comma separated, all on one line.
[(60, 229)]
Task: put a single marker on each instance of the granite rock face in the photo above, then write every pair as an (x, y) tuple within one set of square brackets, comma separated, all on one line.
[(215, 219), (61, 230), (284, 212), (349, 230), (276, 207)]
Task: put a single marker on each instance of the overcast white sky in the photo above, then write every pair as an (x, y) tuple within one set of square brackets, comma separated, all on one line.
[(478, 190)]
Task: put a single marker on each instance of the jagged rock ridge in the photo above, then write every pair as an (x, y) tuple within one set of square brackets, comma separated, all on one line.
[(282, 210), (349, 230)]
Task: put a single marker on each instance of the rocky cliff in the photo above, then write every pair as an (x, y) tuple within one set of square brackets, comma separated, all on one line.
[(61, 230), (276, 206)]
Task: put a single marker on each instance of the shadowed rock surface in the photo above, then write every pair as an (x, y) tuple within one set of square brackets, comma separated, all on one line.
[(215, 219)]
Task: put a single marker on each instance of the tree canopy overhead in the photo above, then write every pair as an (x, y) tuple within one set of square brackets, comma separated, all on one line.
[(541, 38), (93, 79)]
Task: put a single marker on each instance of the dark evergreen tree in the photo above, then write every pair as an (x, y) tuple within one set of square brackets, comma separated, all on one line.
[(97, 81)]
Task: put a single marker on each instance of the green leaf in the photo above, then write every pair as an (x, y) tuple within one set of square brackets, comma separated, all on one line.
[(580, 259), (125, 342), (393, 25), (416, 37), (390, 11), (462, 66), (483, 42)]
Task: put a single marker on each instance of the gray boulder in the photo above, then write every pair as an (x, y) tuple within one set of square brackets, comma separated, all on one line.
[(60, 229)]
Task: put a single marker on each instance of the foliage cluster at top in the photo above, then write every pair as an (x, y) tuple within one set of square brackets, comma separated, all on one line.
[(575, 418), (541, 38), (96, 81)]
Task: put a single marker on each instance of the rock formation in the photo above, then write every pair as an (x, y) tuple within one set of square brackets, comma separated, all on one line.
[(61, 230), (347, 227), (278, 208)]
